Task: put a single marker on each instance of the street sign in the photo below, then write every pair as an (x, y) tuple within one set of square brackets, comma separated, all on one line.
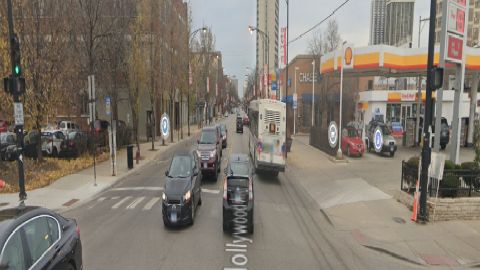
[(274, 85), (378, 140), (18, 113), (436, 166), (108, 105), (165, 126), (295, 100), (454, 49), (332, 134)]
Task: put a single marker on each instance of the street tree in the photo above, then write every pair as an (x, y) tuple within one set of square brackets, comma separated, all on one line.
[(332, 37), (316, 45)]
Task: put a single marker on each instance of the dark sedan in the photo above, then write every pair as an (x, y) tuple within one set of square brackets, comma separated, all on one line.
[(182, 191), (238, 194), (36, 238), (74, 145), (239, 124)]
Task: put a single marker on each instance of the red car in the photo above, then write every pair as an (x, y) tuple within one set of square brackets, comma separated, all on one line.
[(246, 121), (352, 143), (3, 126)]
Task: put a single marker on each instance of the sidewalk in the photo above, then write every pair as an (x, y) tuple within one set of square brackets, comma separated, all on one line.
[(373, 219), (74, 189)]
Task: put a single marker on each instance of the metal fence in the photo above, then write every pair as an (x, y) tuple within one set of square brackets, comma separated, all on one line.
[(455, 183)]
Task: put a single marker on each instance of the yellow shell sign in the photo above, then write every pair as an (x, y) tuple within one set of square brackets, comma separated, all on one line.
[(348, 56)]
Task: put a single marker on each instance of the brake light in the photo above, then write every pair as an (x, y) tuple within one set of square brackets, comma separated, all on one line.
[(225, 189), (250, 189), (78, 231), (2, 184), (71, 143)]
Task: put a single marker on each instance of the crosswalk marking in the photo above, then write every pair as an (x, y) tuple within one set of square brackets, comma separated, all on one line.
[(101, 199), (135, 202), (150, 203), (117, 205), (115, 198)]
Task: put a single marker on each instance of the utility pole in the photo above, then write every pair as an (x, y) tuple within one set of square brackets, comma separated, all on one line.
[(286, 88), (426, 150), (16, 83)]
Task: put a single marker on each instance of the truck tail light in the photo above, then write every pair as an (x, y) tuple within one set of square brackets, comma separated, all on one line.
[(225, 189)]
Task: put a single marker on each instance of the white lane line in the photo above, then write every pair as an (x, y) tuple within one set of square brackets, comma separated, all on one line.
[(101, 199), (211, 191), (135, 202), (117, 205), (150, 203), (137, 188), (115, 198)]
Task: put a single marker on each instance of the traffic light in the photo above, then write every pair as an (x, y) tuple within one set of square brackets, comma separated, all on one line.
[(10, 88), (17, 68)]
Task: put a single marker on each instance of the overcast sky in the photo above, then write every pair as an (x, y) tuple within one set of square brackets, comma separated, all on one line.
[(229, 20)]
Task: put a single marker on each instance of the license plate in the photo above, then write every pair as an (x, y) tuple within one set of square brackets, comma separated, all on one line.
[(205, 165), (173, 217)]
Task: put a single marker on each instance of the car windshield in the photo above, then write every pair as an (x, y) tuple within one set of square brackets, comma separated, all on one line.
[(239, 168), (7, 138), (180, 167), (72, 135), (208, 137), (352, 132)]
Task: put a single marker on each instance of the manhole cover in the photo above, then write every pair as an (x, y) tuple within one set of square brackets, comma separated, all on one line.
[(3, 204), (399, 220)]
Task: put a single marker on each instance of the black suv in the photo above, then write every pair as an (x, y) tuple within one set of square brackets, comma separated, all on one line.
[(209, 150), (239, 124), (238, 193), (444, 132)]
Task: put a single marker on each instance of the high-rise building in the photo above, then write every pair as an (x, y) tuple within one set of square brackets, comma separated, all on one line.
[(267, 22), (473, 26), (399, 22), (377, 21)]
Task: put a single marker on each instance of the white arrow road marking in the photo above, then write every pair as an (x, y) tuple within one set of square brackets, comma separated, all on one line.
[(150, 203), (135, 203), (117, 205), (211, 191)]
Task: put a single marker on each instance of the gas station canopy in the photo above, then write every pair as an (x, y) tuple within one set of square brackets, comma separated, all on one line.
[(389, 61)]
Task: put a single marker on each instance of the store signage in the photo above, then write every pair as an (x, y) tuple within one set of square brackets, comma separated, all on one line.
[(408, 96), (305, 77), (454, 49), (456, 18), (348, 57)]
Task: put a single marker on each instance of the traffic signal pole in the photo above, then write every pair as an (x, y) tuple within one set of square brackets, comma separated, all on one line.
[(16, 99), (426, 150)]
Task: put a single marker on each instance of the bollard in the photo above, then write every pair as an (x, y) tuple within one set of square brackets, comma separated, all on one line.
[(137, 156), (130, 156)]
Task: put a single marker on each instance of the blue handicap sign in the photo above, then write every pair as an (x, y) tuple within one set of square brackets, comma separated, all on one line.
[(165, 125), (378, 140), (274, 85)]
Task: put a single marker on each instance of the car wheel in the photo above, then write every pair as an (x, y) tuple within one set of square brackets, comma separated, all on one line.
[(200, 197), (250, 227), (70, 266), (348, 151), (165, 222), (275, 174), (225, 227), (55, 152), (392, 154), (443, 146)]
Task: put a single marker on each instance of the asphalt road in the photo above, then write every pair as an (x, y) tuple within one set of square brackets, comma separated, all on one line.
[(122, 227)]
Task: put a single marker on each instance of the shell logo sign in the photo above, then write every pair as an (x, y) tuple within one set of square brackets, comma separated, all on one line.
[(348, 57)]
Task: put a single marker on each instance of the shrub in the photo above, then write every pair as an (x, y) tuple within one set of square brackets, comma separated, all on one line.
[(471, 174)]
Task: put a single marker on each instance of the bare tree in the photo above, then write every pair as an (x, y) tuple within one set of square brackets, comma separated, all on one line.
[(316, 45), (332, 36)]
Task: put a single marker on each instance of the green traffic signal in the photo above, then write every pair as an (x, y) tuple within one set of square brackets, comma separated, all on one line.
[(17, 70)]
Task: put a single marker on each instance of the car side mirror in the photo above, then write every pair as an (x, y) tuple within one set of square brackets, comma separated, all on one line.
[(198, 141), (166, 173)]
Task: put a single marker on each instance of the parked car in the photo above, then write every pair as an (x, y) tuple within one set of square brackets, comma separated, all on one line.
[(397, 129), (74, 144), (209, 151), (8, 140), (68, 126), (444, 132), (238, 191), (239, 124), (223, 129), (182, 192), (123, 133), (352, 143), (37, 238), (3, 126), (30, 142), (52, 141), (246, 120), (388, 142)]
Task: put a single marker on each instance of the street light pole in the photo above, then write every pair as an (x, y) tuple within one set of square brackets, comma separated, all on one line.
[(339, 151), (295, 109), (204, 29), (313, 90), (266, 52)]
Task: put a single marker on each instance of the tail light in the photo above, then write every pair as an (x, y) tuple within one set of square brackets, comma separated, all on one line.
[(78, 231), (250, 189), (50, 141), (71, 143), (225, 189)]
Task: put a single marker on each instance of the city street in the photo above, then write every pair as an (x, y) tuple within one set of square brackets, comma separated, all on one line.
[(122, 227)]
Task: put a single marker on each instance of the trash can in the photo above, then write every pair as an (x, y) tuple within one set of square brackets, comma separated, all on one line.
[(130, 156)]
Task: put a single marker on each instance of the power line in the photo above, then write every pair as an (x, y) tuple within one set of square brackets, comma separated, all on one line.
[(319, 23)]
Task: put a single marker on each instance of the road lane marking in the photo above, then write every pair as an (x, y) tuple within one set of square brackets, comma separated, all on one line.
[(137, 188), (101, 199), (115, 198), (117, 205), (135, 202), (150, 204), (211, 191)]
